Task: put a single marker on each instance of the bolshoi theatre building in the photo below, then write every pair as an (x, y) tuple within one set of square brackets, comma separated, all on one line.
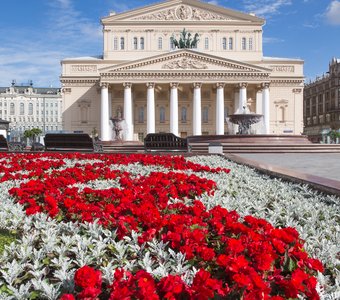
[(181, 66)]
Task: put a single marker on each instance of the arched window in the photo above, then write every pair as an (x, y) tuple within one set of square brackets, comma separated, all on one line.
[(206, 43), (135, 43), (122, 43), (141, 114), (160, 43), (142, 43), (22, 108), (230, 47), (115, 43), (205, 114), (30, 108), (184, 115), (11, 109), (224, 43), (250, 44), (162, 115), (244, 43)]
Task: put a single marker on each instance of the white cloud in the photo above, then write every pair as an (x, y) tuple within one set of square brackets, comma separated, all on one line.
[(333, 13), (265, 7), (35, 54), (271, 40), (214, 2)]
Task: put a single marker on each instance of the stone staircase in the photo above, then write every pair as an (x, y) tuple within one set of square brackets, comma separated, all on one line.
[(203, 148)]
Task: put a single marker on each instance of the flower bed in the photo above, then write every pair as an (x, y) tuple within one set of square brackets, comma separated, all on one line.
[(151, 227)]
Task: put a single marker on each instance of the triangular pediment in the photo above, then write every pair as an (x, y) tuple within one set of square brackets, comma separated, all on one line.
[(183, 11), (184, 60)]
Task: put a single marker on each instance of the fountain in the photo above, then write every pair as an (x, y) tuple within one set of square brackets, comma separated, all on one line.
[(245, 120), (118, 128)]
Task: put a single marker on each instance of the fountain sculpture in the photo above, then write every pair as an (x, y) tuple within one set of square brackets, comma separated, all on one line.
[(245, 120), (117, 127)]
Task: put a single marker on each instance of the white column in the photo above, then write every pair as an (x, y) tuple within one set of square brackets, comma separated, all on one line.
[(197, 110), (243, 97), (110, 117), (220, 108), (105, 114), (174, 108), (128, 112), (265, 107), (259, 102), (151, 108), (236, 101)]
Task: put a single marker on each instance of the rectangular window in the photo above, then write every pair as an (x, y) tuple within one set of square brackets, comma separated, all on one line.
[(11, 109), (142, 43), (250, 43), (115, 43), (224, 43), (230, 44), (244, 44), (206, 43), (135, 43), (172, 45), (160, 43), (122, 43)]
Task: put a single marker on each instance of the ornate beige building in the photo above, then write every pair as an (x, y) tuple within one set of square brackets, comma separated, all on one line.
[(322, 103), (156, 87)]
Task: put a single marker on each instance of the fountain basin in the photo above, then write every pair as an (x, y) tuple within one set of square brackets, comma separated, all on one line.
[(244, 121)]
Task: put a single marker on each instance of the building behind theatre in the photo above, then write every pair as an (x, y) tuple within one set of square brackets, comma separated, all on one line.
[(156, 87), (322, 103), (27, 107)]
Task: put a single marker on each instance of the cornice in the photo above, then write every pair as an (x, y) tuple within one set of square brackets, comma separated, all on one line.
[(287, 82), (66, 82), (184, 76)]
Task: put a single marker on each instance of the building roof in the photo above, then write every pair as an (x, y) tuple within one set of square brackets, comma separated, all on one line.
[(269, 58), (96, 57), (35, 90)]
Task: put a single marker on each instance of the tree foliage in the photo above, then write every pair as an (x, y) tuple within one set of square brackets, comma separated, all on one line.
[(32, 134)]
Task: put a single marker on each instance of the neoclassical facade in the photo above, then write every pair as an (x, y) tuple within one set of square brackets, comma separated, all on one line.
[(157, 87), (26, 107)]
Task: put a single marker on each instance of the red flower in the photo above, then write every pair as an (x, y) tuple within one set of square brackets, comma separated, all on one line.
[(67, 297), (171, 287), (90, 293), (87, 277)]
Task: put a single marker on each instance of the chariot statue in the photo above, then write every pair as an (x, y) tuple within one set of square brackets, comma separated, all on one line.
[(185, 40)]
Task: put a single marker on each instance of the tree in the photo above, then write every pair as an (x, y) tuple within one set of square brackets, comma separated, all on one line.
[(32, 134)]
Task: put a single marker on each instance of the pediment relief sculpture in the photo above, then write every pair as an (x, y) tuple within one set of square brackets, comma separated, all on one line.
[(184, 13), (185, 63)]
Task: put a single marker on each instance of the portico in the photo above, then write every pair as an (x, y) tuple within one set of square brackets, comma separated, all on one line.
[(208, 72)]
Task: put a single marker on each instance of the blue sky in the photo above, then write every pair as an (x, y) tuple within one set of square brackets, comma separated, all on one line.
[(36, 34)]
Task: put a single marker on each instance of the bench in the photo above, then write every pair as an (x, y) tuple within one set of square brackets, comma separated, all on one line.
[(3, 143), (81, 142), (165, 142)]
